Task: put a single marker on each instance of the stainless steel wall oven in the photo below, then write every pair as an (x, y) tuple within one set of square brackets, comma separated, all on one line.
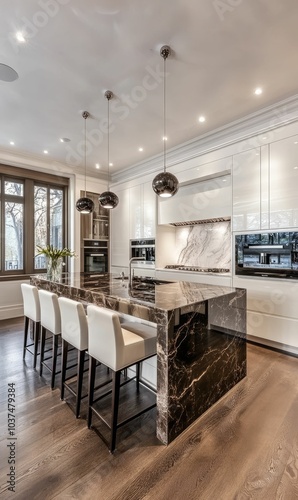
[(96, 256), (145, 249), (267, 255)]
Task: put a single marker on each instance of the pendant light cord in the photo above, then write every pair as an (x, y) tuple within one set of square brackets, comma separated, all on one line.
[(164, 116), (108, 99), (85, 160)]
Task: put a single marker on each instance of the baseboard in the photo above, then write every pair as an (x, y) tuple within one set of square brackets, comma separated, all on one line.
[(274, 346), (9, 312)]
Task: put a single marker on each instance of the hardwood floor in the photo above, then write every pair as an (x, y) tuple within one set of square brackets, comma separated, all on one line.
[(245, 447)]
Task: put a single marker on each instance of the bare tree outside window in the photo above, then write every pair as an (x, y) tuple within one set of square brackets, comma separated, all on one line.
[(48, 217), (14, 213)]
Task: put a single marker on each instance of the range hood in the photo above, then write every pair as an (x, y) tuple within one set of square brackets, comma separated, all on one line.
[(203, 221), (201, 202)]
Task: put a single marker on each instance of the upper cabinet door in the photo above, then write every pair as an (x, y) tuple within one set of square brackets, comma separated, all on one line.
[(247, 190), (149, 211), (142, 210), (283, 183), (136, 212), (120, 230)]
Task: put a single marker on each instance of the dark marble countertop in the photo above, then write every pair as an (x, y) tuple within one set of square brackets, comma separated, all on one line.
[(201, 328), (166, 297)]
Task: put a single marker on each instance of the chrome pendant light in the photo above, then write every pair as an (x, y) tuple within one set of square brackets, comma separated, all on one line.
[(85, 205), (165, 184), (108, 199)]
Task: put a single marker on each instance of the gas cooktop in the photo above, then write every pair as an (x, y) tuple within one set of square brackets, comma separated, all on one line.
[(198, 269)]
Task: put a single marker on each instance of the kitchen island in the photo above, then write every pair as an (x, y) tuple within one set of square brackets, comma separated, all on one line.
[(201, 337)]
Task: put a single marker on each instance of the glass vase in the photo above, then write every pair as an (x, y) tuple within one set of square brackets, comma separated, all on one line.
[(54, 269)]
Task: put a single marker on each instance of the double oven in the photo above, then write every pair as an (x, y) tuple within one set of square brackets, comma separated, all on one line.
[(96, 256)]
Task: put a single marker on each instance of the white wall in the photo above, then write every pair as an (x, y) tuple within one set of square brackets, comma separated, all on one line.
[(11, 302)]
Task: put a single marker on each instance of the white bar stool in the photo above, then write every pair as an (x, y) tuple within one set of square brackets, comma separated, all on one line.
[(117, 346), (31, 312), (50, 319), (74, 332)]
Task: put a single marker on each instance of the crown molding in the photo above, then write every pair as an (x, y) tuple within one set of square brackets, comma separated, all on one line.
[(37, 163), (44, 164), (259, 122)]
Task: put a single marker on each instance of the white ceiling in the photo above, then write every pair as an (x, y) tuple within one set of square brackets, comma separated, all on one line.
[(222, 51)]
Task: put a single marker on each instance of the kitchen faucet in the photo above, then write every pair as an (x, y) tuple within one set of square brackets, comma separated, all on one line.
[(129, 266)]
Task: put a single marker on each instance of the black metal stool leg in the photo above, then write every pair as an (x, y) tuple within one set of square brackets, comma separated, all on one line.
[(91, 382), (63, 366), (138, 376), (115, 405), (36, 339), (54, 360), (42, 345), (81, 357), (26, 328)]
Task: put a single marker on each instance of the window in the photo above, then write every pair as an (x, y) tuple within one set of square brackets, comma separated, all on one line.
[(32, 213), (48, 220), (13, 225)]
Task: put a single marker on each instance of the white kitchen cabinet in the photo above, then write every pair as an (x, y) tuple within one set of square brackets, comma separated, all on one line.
[(142, 220), (120, 230), (283, 183), (272, 314), (247, 190), (136, 212), (118, 270), (149, 211), (202, 200)]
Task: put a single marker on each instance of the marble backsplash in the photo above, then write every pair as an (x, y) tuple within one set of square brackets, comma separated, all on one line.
[(204, 245)]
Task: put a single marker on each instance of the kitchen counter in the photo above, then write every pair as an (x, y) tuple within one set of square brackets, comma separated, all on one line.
[(201, 332)]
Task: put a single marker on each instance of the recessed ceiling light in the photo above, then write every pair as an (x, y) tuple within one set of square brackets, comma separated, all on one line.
[(202, 119), (20, 37), (257, 154), (97, 165), (296, 142), (264, 138), (11, 143), (295, 168), (224, 180), (164, 138), (141, 149), (64, 139), (111, 164), (258, 91), (45, 151)]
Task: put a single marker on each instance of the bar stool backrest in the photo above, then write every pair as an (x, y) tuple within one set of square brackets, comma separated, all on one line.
[(105, 336), (31, 302), (50, 317), (74, 326)]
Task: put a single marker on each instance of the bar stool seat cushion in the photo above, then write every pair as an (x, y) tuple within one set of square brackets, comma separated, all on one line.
[(118, 345)]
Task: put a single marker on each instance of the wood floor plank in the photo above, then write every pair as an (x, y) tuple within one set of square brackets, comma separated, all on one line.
[(245, 447)]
